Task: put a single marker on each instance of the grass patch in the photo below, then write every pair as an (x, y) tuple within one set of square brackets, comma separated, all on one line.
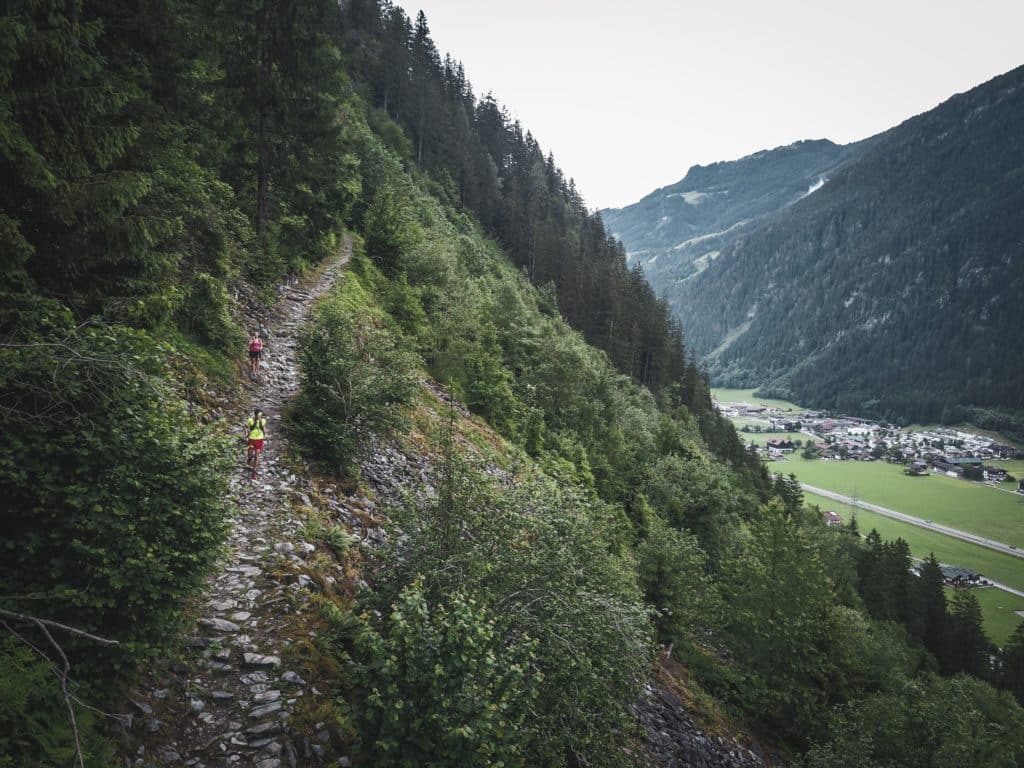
[(1003, 568), (998, 608), (760, 438), (968, 506), (723, 395), (996, 565)]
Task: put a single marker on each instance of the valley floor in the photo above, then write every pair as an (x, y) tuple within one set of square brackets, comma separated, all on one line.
[(986, 510)]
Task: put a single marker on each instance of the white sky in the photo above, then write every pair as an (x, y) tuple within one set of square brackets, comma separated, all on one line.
[(629, 95)]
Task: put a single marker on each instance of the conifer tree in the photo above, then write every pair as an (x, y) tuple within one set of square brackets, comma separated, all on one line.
[(931, 597), (969, 647), (1012, 673)]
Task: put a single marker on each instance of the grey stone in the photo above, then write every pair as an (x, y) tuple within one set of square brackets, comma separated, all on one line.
[(265, 696), (259, 660), (241, 616), (169, 755), (266, 709), (293, 678), (267, 728), (197, 705), (268, 762), (245, 570), (254, 677), (160, 693), (220, 625), (222, 696)]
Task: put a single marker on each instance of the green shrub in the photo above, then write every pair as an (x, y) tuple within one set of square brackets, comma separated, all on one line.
[(536, 560), (356, 381), (931, 722), (445, 686), (35, 729), (112, 494), (672, 570)]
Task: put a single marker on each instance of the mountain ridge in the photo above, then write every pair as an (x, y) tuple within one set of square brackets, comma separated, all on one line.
[(920, 218)]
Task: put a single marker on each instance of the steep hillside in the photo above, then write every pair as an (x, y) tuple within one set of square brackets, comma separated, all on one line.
[(677, 230), (498, 520)]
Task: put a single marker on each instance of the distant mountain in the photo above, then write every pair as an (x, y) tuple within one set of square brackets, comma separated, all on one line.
[(677, 230), (896, 288)]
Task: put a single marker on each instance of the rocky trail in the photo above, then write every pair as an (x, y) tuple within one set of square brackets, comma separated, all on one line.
[(238, 693), (228, 701)]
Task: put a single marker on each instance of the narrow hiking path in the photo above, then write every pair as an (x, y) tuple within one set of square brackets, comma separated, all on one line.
[(227, 702)]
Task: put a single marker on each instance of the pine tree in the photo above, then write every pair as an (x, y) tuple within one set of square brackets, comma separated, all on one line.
[(969, 647), (931, 597), (1012, 674)]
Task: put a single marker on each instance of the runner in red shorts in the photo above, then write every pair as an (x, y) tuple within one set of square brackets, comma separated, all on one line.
[(256, 432)]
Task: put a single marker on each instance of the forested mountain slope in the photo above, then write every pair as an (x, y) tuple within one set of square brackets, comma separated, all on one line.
[(490, 400), (895, 289), (677, 230)]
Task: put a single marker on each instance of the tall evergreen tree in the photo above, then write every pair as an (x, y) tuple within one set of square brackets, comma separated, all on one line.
[(1012, 673), (931, 596), (969, 647)]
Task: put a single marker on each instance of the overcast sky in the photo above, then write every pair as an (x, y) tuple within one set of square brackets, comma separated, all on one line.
[(629, 95)]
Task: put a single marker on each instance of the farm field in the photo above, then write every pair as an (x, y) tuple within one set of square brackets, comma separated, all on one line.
[(747, 396), (1014, 466), (996, 566), (971, 507), (1003, 568)]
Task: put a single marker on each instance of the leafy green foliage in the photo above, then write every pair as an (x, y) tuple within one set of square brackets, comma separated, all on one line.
[(698, 495), (477, 159), (672, 570), (104, 526), (356, 381), (446, 686), (930, 723), (34, 725), (1012, 672), (546, 589), (778, 593)]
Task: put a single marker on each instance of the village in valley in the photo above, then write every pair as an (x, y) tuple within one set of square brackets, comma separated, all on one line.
[(945, 450), (800, 438)]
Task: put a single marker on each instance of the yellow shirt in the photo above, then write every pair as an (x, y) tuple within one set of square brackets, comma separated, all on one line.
[(257, 428)]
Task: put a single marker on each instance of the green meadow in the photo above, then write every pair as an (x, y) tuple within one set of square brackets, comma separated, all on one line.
[(996, 566), (984, 510), (747, 396), (999, 609), (973, 507)]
